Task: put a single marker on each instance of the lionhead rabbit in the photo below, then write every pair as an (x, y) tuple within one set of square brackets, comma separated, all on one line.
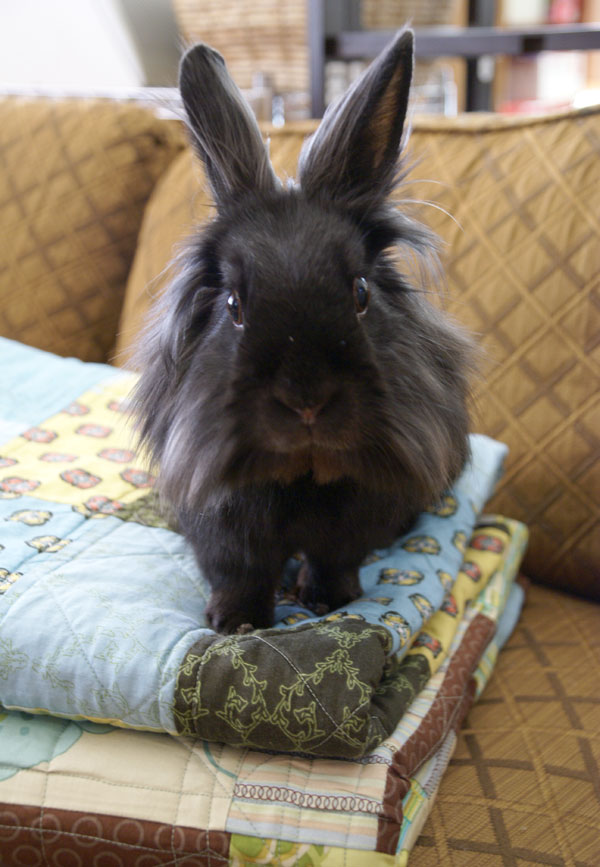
[(297, 393)]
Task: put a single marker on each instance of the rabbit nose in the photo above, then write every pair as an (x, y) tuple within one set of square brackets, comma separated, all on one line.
[(308, 413)]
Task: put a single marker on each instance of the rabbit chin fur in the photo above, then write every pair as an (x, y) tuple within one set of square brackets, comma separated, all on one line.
[(284, 413)]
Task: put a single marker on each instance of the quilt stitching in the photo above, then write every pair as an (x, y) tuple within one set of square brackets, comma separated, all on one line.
[(195, 689), (76, 638), (66, 620), (192, 575), (349, 826), (307, 775), (190, 745), (41, 554), (340, 725), (136, 847), (43, 799), (32, 553), (178, 807), (78, 535), (239, 796), (114, 783), (237, 792), (283, 831), (301, 676), (242, 755), (212, 798), (449, 721)]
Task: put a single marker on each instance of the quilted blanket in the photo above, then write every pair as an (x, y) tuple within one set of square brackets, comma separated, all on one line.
[(101, 625)]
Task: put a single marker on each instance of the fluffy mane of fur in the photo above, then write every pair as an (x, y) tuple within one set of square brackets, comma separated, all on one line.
[(385, 388)]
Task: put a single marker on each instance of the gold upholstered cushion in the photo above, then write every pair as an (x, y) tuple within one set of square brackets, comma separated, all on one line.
[(75, 177), (523, 265), (522, 256), (523, 785)]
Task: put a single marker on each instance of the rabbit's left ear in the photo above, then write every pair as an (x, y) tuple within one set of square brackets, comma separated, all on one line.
[(352, 158), (226, 134)]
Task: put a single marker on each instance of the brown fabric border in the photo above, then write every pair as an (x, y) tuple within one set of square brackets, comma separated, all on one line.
[(44, 835), (447, 712)]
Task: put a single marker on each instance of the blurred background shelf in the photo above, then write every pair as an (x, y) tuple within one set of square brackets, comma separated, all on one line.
[(490, 35), (293, 57)]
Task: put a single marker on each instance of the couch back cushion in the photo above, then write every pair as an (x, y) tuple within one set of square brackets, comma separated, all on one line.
[(521, 224), (75, 176)]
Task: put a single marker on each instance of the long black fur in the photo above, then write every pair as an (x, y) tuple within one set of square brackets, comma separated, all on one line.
[(220, 408)]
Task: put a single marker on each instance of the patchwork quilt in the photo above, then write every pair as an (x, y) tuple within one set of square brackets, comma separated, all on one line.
[(129, 728)]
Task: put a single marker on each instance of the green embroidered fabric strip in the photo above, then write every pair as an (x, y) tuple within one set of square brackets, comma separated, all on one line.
[(323, 689)]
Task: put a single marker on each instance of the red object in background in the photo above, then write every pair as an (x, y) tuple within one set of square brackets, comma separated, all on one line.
[(564, 12), (532, 106)]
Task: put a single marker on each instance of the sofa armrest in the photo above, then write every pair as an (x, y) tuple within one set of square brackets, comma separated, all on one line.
[(75, 176)]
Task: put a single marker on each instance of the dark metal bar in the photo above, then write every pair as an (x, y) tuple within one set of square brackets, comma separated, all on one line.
[(472, 41), (479, 94), (316, 51)]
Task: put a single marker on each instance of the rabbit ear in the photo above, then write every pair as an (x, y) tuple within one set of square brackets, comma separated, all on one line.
[(353, 155), (226, 134)]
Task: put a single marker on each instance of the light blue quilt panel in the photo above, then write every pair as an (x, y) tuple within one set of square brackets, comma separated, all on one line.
[(30, 527), (97, 629), (38, 384)]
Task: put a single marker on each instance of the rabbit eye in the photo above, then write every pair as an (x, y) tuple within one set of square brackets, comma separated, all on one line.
[(234, 306), (362, 293)]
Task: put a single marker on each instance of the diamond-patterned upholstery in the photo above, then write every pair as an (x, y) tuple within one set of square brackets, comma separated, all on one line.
[(70, 213), (523, 266), (523, 786), (521, 225)]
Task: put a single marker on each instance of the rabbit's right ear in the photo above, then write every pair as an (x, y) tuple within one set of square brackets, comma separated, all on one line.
[(353, 156), (225, 132)]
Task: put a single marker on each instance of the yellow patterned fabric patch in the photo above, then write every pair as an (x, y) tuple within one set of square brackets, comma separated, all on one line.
[(83, 455), (483, 556), (247, 851)]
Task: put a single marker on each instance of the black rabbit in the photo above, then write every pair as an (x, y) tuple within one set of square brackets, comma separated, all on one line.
[(297, 394)]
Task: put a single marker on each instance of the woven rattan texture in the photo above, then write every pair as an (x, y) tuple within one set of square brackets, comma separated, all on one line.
[(390, 14), (262, 36), (70, 213), (523, 786), (522, 257)]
